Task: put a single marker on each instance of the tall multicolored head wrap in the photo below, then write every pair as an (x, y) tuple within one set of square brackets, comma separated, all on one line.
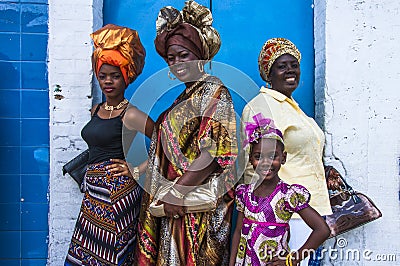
[(273, 49), (190, 29), (121, 47), (262, 128)]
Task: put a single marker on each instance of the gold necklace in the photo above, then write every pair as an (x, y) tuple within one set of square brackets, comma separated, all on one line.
[(202, 78), (111, 107)]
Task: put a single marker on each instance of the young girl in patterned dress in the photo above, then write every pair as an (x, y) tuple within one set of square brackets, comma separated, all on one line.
[(264, 208)]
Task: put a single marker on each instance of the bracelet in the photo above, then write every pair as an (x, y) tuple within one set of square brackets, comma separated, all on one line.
[(135, 173), (176, 193), (289, 260)]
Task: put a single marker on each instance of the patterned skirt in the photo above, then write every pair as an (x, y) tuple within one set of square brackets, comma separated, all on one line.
[(105, 231)]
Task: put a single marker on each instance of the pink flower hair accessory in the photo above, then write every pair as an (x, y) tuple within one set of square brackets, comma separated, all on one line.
[(261, 128)]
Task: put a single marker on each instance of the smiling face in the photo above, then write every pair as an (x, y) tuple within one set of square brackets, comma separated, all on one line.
[(284, 75), (266, 157), (111, 81), (183, 63)]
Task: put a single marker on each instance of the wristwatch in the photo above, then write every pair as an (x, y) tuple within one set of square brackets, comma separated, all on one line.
[(135, 173)]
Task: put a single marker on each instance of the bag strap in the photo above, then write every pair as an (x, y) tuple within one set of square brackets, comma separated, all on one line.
[(97, 109), (124, 111), (353, 194), (345, 186)]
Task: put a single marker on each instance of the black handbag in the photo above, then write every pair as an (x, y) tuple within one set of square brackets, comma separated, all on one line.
[(76, 168), (350, 209)]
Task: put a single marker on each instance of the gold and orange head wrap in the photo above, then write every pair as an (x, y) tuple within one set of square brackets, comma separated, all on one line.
[(121, 47), (191, 29), (273, 49)]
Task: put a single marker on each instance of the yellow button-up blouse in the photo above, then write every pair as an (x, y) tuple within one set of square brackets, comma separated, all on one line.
[(304, 143)]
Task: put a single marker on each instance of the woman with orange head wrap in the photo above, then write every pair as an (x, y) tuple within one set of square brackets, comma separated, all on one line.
[(105, 232)]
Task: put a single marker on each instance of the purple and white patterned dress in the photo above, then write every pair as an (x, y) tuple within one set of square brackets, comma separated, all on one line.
[(265, 229)]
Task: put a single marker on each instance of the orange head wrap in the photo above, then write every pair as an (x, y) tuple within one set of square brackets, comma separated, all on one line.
[(121, 47), (273, 49), (114, 58)]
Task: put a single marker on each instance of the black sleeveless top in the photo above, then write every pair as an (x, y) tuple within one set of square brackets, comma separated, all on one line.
[(104, 137)]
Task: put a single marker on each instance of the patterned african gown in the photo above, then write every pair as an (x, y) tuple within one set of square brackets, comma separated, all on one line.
[(265, 229), (202, 118)]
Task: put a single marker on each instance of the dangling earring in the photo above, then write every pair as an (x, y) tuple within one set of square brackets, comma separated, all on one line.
[(170, 76), (200, 66), (269, 85)]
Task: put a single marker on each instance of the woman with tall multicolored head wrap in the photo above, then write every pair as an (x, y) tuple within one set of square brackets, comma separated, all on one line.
[(279, 66), (192, 31), (105, 232), (194, 145)]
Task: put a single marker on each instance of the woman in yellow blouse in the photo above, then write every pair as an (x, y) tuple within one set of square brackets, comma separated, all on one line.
[(279, 65)]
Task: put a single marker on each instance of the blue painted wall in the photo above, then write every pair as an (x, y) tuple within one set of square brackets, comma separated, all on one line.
[(24, 138), (244, 26)]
